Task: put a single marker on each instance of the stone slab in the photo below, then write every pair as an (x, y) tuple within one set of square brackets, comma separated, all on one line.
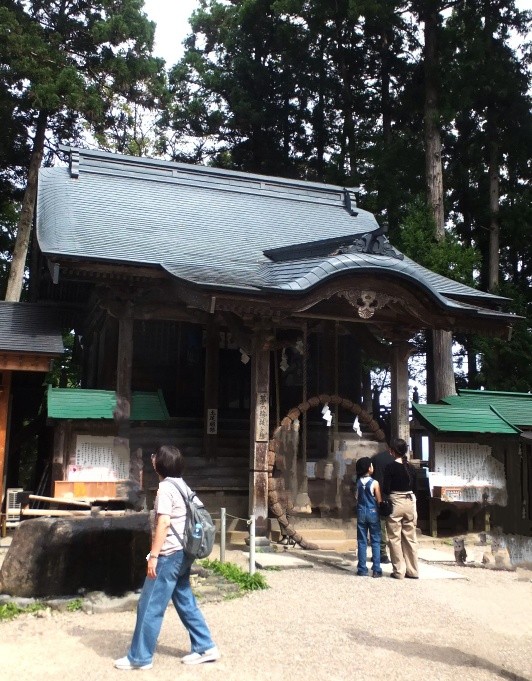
[(281, 561), (426, 571), (436, 555)]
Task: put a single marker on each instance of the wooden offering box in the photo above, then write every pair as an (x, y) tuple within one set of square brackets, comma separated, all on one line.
[(78, 489)]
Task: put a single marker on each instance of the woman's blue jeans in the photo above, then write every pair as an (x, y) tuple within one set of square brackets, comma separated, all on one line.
[(368, 521), (172, 582)]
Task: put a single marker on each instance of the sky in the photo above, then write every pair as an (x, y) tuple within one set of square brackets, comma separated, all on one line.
[(171, 17)]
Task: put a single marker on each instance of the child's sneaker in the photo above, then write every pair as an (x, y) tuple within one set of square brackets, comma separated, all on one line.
[(210, 655)]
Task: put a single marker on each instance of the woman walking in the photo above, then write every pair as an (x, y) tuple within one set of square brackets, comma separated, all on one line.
[(399, 484), (168, 574)]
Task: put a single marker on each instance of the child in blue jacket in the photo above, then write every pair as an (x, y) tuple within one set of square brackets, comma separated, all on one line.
[(368, 521)]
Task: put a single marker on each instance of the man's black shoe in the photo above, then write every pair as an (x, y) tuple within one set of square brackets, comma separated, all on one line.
[(385, 560)]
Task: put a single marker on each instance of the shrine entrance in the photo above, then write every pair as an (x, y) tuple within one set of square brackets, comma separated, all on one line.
[(290, 468)]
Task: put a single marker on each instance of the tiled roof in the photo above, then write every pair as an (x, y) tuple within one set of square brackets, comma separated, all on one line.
[(79, 403), (212, 227), (28, 327), (442, 418)]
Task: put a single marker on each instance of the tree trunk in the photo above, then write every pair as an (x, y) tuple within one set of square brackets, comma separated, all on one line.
[(493, 273), (385, 196), (444, 383), (492, 144), (319, 115), (433, 164), (16, 271), (442, 341)]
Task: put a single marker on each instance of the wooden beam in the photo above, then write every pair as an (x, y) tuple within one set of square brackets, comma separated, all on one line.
[(20, 361), (59, 513), (5, 392), (53, 500)]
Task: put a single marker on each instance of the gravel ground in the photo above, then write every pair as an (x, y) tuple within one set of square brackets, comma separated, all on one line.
[(311, 625)]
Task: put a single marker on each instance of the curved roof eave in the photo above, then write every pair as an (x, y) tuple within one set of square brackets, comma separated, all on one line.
[(335, 267)]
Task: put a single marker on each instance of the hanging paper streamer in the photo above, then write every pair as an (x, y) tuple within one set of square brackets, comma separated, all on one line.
[(356, 427), (283, 366), (244, 357), (327, 414)]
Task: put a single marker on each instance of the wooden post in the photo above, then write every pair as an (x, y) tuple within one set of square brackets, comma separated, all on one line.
[(327, 357), (108, 353), (260, 432), (212, 355), (5, 391), (400, 417), (59, 462), (124, 365)]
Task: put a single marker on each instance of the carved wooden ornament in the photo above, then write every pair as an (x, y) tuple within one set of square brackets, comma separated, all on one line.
[(366, 302)]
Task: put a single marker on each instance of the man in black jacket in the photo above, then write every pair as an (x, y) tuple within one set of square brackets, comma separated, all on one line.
[(380, 461)]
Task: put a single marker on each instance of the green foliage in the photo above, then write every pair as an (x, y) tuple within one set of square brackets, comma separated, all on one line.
[(448, 257), (505, 364), (75, 605), (66, 67), (66, 371), (235, 574), (9, 611)]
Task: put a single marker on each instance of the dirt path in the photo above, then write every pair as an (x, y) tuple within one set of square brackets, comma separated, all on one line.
[(311, 625)]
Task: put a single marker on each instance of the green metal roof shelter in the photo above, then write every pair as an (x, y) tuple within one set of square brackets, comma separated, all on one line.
[(78, 403), (442, 418), (516, 408), (499, 420), (478, 411)]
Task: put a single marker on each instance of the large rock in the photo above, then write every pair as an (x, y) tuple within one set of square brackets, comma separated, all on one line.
[(60, 556)]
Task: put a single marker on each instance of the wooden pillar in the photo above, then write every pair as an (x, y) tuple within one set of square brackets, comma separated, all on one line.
[(59, 460), (107, 360), (92, 369), (5, 392), (124, 365), (212, 357), (400, 417), (327, 358), (260, 433)]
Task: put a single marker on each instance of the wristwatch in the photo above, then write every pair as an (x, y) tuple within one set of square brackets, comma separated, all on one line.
[(151, 555)]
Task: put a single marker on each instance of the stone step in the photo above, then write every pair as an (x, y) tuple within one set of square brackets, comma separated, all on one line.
[(317, 534), (338, 545), (236, 537), (326, 541)]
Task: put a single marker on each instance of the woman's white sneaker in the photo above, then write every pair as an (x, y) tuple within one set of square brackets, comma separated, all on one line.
[(210, 655), (124, 663)]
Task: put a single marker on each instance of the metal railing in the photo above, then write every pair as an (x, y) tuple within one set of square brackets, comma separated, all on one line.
[(223, 534)]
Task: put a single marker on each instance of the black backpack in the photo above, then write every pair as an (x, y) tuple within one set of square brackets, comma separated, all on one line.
[(199, 533)]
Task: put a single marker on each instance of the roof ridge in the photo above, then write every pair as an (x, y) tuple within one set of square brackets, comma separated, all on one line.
[(106, 158), (495, 411), (502, 393)]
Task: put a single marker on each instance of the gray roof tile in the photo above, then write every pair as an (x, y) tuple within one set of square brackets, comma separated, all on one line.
[(210, 227), (27, 327)]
